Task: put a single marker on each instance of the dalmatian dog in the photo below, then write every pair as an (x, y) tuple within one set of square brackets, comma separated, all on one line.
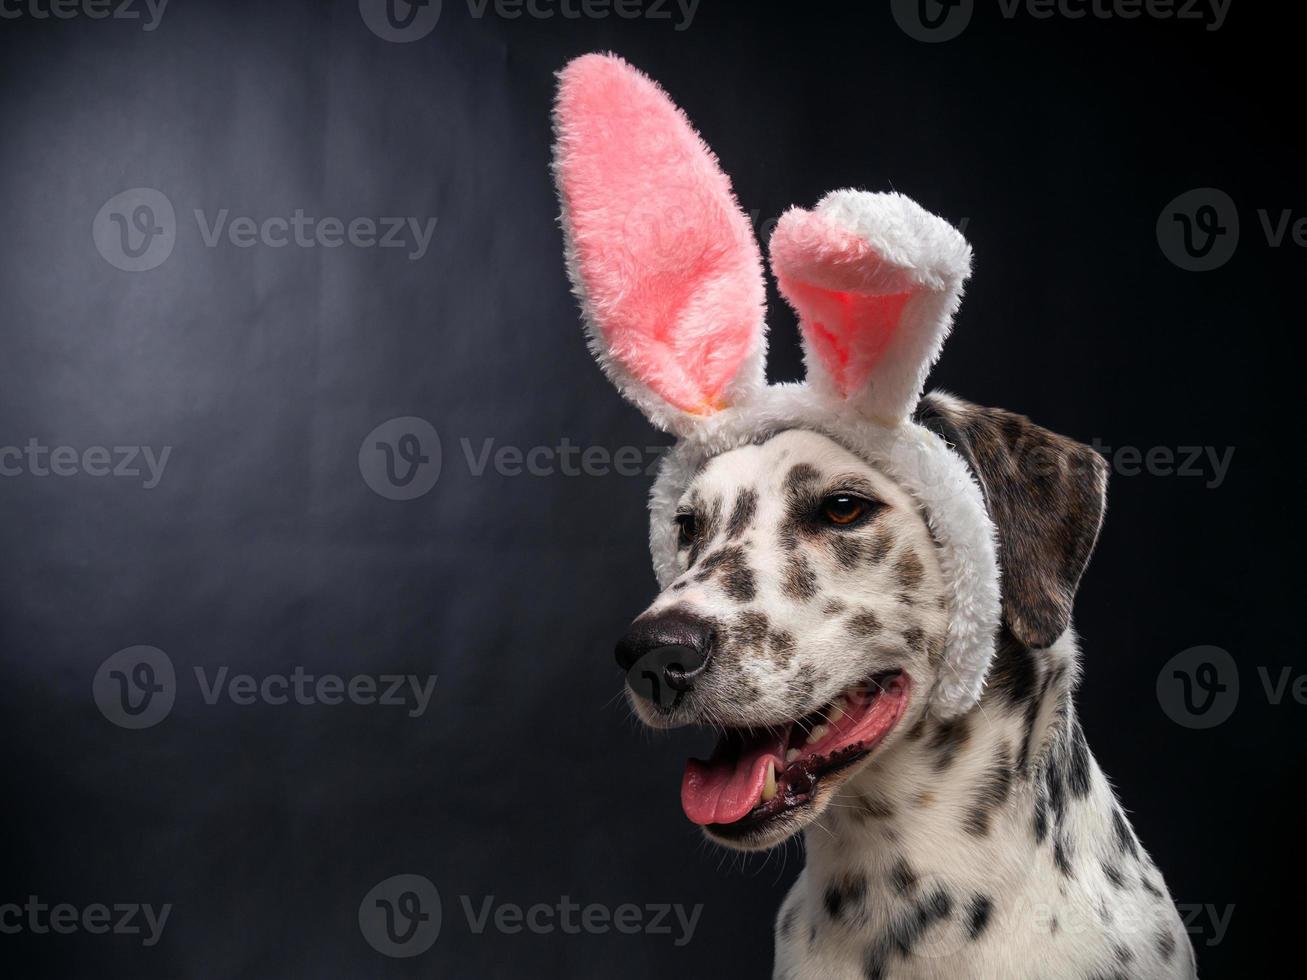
[(866, 592)]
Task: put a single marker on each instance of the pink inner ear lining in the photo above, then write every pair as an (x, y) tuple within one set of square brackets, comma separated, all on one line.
[(849, 332), (669, 265)]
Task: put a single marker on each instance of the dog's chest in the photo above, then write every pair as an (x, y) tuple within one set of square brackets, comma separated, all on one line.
[(914, 877)]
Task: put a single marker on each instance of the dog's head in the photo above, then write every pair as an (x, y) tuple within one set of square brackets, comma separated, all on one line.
[(828, 563), (809, 613)]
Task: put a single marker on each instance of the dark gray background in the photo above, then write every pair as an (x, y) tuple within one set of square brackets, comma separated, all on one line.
[(1059, 142)]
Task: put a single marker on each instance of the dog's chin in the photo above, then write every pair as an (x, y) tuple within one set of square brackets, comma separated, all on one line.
[(764, 785)]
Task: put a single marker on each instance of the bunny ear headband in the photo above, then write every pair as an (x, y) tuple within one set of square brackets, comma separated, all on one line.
[(670, 281)]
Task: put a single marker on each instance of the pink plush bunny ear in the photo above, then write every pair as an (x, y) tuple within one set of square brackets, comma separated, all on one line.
[(875, 280), (662, 259)]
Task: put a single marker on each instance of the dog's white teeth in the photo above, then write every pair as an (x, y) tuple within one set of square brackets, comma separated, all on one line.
[(836, 714), (818, 733), (791, 755), (769, 787)]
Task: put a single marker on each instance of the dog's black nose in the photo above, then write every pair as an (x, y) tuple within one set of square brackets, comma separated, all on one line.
[(671, 649)]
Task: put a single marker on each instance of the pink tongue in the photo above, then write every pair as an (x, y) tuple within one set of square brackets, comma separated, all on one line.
[(725, 788)]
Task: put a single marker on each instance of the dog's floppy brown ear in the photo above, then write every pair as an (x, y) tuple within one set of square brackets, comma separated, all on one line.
[(1046, 495)]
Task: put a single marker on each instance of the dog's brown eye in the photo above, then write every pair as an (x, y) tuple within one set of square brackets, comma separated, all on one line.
[(843, 508), (687, 529)]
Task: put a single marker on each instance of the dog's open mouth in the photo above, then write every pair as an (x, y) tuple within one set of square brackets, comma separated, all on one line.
[(754, 778)]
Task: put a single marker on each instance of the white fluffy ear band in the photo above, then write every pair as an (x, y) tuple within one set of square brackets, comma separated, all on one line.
[(670, 282)]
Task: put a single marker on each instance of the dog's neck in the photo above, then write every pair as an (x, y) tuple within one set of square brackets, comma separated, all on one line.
[(949, 819), (953, 782)]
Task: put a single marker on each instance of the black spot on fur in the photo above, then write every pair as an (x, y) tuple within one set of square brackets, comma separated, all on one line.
[(834, 607), (1104, 913), (915, 639), (873, 967), (848, 551), (1077, 774), (994, 790), (1125, 838), (1041, 812), (678, 586), (750, 630), (1031, 716), (1018, 661), (948, 739), (719, 558), (979, 909), (1055, 788), (800, 475), (1113, 874), (908, 929), (874, 807), (1150, 887), (880, 548), (730, 566), (843, 898), (1165, 944), (781, 643), (1014, 674), (800, 581), (1061, 856), (739, 584), (1124, 955), (709, 516), (902, 877), (864, 624), (909, 571), (746, 506)]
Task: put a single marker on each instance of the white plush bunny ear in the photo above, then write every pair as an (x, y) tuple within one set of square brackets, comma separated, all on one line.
[(875, 279), (662, 259)]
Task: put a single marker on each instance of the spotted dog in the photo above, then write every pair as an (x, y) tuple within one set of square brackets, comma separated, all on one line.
[(866, 590), (807, 620)]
